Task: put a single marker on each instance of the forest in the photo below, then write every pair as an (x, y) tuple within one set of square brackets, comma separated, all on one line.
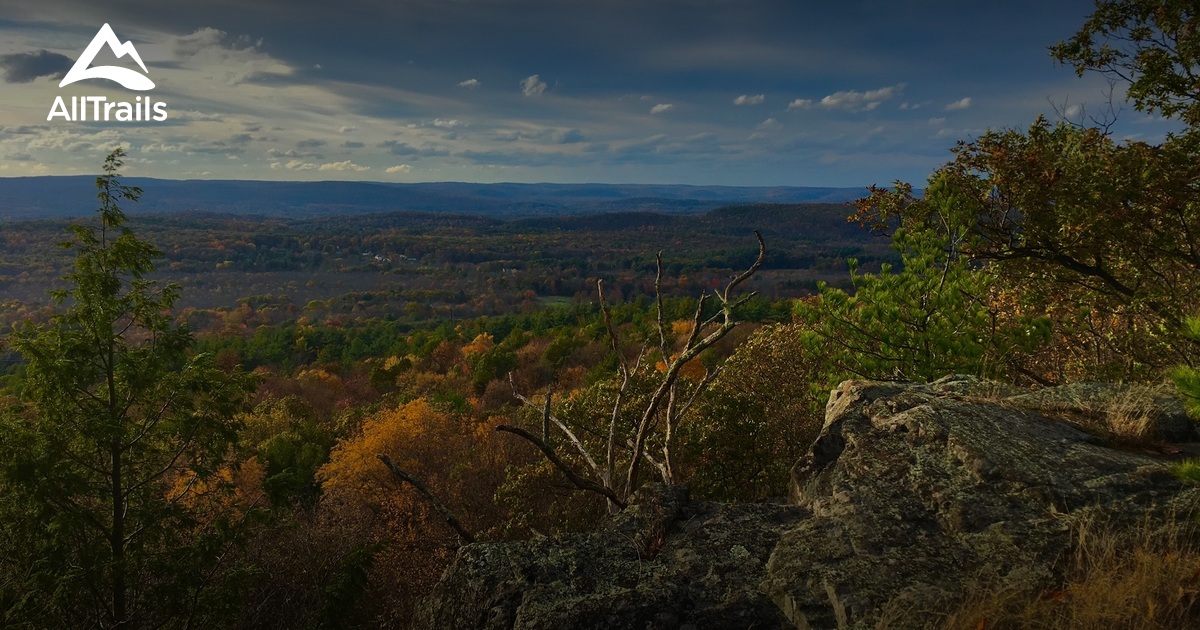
[(230, 421)]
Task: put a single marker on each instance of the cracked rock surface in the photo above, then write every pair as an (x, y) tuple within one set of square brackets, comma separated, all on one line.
[(908, 493)]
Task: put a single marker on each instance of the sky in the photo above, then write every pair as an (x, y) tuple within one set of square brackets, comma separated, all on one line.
[(731, 92)]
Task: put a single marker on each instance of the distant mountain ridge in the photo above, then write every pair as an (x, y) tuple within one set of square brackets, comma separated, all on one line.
[(23, 198)]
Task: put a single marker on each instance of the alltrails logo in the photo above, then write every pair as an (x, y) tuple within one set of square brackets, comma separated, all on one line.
[(142, 109)]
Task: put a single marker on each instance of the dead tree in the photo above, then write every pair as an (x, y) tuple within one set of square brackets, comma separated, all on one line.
[(667, 405)]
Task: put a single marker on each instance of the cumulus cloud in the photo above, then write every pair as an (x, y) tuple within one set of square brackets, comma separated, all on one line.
[(962, 103), (346, 129), (345, 165), (27, 66), (446, 123), (662, 108), (297, 165), (853, 100), (533, 85), (747, 99), (470, 83), (801, 103), (399, 168)]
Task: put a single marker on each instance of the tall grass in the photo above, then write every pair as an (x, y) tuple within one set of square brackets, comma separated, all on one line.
[(1144, 577)]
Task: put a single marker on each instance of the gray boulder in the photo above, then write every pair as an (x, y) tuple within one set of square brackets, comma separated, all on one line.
[(1124, 411), (909, 493), (665, 562)]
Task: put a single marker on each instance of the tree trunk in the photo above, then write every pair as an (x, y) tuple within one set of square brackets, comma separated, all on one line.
[(117, 541)]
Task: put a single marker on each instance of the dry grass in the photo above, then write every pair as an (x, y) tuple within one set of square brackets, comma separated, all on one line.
[(1130, 413), (1139, 578), (1124, 417)]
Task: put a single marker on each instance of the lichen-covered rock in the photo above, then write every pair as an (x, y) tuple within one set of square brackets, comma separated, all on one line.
[(916, 490), (1135, 411), (665, 562), (909, 493)]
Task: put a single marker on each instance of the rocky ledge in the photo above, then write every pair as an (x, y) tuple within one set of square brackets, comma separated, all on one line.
[(909, 493)]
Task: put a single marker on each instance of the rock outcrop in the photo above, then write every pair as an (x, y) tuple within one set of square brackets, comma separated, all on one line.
[(909, 493)]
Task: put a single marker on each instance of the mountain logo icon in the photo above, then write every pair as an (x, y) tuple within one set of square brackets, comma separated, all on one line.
[(130, 79)]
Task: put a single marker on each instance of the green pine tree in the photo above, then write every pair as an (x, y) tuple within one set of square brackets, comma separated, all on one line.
[(118, 430)]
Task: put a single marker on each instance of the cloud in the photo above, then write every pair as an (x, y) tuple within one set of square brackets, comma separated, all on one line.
[(197, 42), (533, 85), (198, 116), (24, 130), (747, 99), (446, 124), (959, 104), (291, 153), (646, 145), (399, 168), (297, 165), (567, 136), (470, 84), (346, 165), (353, 144), (801, 103), (346, 129), (662, 108), (400, 148), (768, 128), (69, 141), (310, 143), (27, 66), (855, 101), (233, 60), (219, 147)]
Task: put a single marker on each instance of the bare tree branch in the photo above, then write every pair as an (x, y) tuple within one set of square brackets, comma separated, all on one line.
[(677, 404), (545, 413), (662, 469), (692, 349), (610, 458), (571, 475), (745, 275), (658, 303), (437, 504), (675, 416), (547, 416)]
